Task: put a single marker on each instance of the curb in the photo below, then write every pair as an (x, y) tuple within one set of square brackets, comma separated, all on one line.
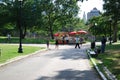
[(96, 67), (20, 57)]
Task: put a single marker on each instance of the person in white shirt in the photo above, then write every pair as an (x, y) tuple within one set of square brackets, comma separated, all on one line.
[(67, 39), (77, 42)]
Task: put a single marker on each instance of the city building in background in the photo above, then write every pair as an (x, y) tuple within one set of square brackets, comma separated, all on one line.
[(84, 18), (94, 12)]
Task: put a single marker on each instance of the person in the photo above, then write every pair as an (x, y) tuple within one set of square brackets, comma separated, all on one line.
[(103, 44), (67, 39), (47, 43), (63, 40), (81, 41), (56, 44), (77, 42), (8, 37)]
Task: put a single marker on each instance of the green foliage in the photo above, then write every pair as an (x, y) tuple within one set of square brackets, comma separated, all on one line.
[(111, 59), (46, 15), (111, 8), (102, 27)]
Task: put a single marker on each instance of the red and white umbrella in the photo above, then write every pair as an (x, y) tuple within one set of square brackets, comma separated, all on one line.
[(72, 33), (56, 34), (81, 32)]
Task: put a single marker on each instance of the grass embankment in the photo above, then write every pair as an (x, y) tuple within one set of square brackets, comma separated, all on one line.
[(11, 51), (111, 59)]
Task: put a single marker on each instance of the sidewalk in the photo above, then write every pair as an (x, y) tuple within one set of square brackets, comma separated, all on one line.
[(65, 63)]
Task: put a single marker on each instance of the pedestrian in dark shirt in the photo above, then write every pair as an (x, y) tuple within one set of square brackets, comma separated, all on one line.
[(103, 44), (47, 42)]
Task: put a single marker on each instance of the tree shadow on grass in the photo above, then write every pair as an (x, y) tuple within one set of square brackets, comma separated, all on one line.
[(70, 74)]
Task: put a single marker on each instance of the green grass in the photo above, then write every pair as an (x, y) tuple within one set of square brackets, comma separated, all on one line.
[(111, 59), (26, 40), (11, 51)]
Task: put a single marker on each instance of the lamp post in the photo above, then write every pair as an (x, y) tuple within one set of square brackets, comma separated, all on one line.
[(110, 20), (94, 37), (20, 26), (95, 25)]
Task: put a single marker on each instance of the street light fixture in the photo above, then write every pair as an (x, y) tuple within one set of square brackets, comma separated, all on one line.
[(20, 26), (110, 20)]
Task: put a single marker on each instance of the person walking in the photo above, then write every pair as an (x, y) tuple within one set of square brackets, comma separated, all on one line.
[(77, 42), (103, 44)]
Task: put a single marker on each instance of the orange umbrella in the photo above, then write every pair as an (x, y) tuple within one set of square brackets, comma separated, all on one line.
[(82, 32)]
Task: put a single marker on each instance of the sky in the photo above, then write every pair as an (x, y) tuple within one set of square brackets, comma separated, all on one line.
[(87, 6)]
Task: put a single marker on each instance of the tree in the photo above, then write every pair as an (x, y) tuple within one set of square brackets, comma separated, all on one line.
[(6, 18), (102, 27), (47, 15), (112, 10), (58, 12)]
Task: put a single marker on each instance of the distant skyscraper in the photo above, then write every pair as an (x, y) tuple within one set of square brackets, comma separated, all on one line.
[(93, 13), (84, 17)]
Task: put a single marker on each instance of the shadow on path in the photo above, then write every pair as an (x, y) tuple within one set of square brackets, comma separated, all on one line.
[(70, 74), (70, 53)]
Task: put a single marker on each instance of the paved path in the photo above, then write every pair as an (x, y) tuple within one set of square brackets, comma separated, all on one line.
[(65, 63)]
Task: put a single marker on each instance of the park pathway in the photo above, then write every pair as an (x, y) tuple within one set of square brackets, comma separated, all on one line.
[(65, 63)]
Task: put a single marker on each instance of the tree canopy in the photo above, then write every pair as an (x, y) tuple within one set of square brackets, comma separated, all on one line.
[(47, 15)]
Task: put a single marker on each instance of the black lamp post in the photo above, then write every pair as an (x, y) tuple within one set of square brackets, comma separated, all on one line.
[(95, 25), (94, 37), (20, 26), (110, 20), (94, 42)]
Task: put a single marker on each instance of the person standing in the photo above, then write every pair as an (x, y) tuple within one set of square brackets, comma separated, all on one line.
[(56, 44), (81, 41), (103, 44), (77, 42), (47, 42), (8, 37), (63, 40), (67, 39)]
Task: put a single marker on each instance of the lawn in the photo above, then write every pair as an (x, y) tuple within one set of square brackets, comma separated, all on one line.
[(111, 59), (26, 40), (11, 51)]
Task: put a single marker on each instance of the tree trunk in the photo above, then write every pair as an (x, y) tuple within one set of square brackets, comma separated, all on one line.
[(24, 32), (115, 30), (50, 25), (51, 32)]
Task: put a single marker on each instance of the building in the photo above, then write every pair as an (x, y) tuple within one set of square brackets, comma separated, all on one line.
[(93, 13), (84, 18)]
